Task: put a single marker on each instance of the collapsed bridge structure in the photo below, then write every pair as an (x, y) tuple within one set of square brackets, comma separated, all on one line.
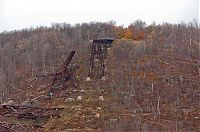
[(63, 75)]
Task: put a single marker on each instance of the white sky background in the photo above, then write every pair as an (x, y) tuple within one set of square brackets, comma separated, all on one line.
[(18, 14)]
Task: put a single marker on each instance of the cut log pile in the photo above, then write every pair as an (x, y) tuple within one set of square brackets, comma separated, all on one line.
[(28, 112)]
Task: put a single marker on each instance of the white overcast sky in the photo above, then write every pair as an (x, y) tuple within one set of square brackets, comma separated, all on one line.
[(18, 14)]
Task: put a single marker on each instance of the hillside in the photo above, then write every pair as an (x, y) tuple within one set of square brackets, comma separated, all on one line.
[(152, 84)]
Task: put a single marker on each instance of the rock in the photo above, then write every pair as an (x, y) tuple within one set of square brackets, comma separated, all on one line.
[(69, 100), (101, 98), (97, 115), (88, 79), (75, 84), (98, 108), (103, 78), (79, 98), (82, 90)]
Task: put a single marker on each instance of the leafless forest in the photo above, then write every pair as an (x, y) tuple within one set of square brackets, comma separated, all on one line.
[(152, 78)]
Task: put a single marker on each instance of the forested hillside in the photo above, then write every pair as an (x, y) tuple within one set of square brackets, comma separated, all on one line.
[(152, 77), (29, 52)]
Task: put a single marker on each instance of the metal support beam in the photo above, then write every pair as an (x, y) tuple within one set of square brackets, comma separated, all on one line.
[(99, 51)]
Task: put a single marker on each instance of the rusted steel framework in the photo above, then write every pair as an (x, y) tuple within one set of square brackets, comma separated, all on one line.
[(99, 50), (63, 75)]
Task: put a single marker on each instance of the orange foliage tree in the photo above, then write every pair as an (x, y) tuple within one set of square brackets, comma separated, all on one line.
[(128, 34), (139, 36)]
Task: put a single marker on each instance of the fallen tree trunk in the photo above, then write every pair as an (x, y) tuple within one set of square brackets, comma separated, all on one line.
[(21, 125), (29, 107), (7, 128), (35, 116), (48, 75)]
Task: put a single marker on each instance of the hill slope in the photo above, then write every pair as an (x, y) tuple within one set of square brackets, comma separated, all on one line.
[(146, 89)]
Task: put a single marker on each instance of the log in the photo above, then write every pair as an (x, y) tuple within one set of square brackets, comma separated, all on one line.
[(48, 75), (29, 107), (22, 125), (35, 116), (7, 128)]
